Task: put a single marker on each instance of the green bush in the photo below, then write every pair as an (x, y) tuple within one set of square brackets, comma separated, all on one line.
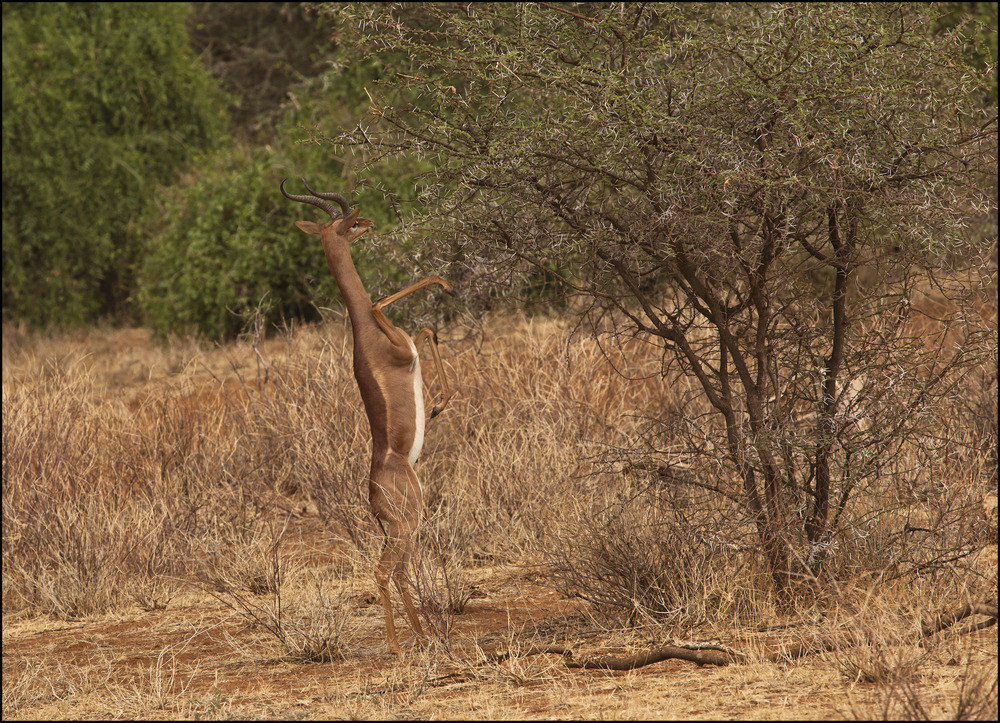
[(102, 103), (224, 242)]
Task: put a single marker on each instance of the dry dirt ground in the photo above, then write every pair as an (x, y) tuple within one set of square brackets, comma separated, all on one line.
[(198, 658)]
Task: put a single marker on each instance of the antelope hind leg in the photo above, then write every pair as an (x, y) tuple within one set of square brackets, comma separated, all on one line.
[(392, 553), (403, 586)]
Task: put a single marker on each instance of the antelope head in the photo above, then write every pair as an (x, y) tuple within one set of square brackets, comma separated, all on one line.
[(344, 227)]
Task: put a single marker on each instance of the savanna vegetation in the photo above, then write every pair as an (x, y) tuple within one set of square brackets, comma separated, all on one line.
[(725, 355)]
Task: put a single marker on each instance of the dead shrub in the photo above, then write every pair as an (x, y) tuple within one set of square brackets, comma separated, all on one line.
[(634, 561), (441, 585)]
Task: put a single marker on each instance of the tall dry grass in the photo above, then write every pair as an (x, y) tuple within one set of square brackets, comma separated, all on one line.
[(124, 467), (130, 470)]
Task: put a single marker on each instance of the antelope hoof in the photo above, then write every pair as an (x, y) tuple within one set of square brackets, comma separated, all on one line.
[(434, 412)]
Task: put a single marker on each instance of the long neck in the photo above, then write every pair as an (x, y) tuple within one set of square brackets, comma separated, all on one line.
[(338, 258)]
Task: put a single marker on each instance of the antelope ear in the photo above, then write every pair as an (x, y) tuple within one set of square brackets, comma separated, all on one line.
[(309, 227), (348, 222)]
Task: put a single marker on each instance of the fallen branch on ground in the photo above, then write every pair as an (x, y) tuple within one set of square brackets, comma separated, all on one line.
[(699, 654), (710, 654)]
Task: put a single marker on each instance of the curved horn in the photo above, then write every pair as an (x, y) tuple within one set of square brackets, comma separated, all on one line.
[(319, 203), (330, 197)]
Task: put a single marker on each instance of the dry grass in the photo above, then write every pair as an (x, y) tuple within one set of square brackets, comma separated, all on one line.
[(186, 536)]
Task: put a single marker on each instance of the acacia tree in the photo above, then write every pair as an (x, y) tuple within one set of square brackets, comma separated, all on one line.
[(759, 190)]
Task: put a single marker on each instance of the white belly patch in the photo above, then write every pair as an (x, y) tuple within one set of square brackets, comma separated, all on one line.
[(418, 406)]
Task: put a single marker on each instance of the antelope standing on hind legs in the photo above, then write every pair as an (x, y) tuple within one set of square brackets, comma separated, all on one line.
[(387, 368)]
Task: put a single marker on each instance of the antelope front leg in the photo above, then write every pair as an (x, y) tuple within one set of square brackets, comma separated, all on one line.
[(381, 304), (422, 336)]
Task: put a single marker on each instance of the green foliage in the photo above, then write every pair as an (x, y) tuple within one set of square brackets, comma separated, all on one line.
[(222, 242), (258, 52), (978, 22), (102, 103), (113, 96), (222, 246)]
